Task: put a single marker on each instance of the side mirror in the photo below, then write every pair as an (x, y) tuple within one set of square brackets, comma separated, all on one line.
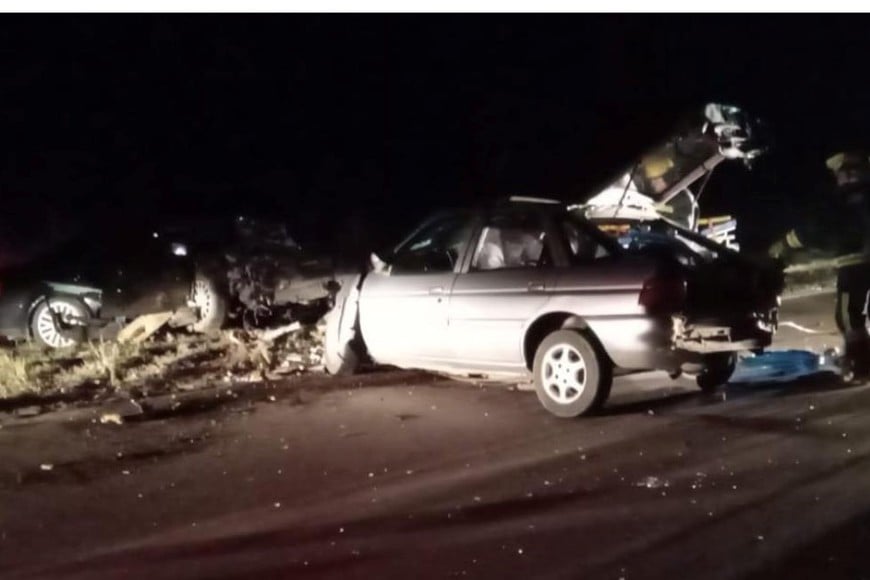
[(378, 265)]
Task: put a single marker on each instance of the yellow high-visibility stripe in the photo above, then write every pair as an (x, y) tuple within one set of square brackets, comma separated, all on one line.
[(711, 221), (835, 162)]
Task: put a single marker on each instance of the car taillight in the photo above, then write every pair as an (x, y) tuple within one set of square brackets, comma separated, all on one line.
[(663, 294)]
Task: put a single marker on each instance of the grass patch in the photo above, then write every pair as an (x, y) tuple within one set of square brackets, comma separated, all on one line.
[(172, 362), (17, 376)]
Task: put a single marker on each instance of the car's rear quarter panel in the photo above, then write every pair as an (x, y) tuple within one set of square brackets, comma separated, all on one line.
[(605, 297)]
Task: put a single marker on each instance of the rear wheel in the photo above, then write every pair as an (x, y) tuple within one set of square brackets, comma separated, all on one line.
[(718, 368), (571, 378), (60, 322)]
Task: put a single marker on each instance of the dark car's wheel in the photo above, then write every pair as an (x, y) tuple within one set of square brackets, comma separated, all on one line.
[(210, 302), (59, 322), (718, 368), (571, 378)]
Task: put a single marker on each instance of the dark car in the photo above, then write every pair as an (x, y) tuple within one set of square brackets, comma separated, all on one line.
[(94, 279), (206, 272)]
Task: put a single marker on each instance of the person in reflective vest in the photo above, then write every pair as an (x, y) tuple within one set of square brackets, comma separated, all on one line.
[(843, 227)]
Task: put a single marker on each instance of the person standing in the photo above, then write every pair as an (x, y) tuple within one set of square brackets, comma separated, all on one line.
[(842, 226)]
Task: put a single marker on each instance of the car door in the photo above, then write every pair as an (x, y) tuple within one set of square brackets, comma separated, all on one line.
[(505, 283), (403, 308)]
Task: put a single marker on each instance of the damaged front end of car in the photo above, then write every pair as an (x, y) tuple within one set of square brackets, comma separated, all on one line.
[(271, 280), (266, 291)]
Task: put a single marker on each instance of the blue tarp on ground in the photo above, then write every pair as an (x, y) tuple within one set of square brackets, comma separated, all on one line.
[(781, 366)]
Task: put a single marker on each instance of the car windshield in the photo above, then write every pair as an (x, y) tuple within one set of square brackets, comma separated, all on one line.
[(434, 245)]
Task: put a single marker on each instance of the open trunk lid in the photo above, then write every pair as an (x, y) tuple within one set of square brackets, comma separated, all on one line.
[(666, 182)]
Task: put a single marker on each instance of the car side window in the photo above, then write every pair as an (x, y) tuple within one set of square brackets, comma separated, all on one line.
[(435, 247), (582, 247), (511, 240)]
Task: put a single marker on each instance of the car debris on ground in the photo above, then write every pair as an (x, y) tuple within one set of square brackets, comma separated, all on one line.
[(120, 375), (143, 327), (114, 418)]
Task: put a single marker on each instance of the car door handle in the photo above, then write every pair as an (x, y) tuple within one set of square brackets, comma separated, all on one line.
[(536, 287), (436, 291)]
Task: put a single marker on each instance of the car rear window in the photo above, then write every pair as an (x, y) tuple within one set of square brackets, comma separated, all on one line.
[(586, 243)]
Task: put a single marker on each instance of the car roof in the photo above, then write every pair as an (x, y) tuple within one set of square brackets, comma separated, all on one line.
[(539, 200), (545, 205), (539, 203)]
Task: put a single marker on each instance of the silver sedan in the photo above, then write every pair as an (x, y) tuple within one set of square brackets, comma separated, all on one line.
[(528, 286)]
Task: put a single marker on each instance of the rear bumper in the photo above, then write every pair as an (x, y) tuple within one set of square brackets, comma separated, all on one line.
[(642, 343), (705, 337)]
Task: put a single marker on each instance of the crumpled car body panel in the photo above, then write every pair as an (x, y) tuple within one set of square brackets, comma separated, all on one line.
[(268, 276)]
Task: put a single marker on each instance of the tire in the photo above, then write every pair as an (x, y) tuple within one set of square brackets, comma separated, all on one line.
[(570, 392), (718, 368), (44, 326), (211, 304)]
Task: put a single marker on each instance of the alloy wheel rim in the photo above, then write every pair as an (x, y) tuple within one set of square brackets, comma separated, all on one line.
[(202, 297), (564, 374), (48, 330)]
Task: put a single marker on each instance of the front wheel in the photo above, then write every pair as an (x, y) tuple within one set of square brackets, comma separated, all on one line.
[(60, 322), (210, 303), (571, 378)]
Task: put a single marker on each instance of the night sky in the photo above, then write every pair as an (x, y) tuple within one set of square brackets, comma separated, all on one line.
[(326, 121)]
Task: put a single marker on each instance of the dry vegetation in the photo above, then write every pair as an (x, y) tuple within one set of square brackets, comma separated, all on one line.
[(15, 374), (165, 363)]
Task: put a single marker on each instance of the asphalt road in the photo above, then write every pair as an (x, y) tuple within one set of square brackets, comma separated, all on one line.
[(398, 475)]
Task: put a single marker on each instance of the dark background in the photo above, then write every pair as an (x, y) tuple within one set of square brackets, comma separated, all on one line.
[(352, 127)]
